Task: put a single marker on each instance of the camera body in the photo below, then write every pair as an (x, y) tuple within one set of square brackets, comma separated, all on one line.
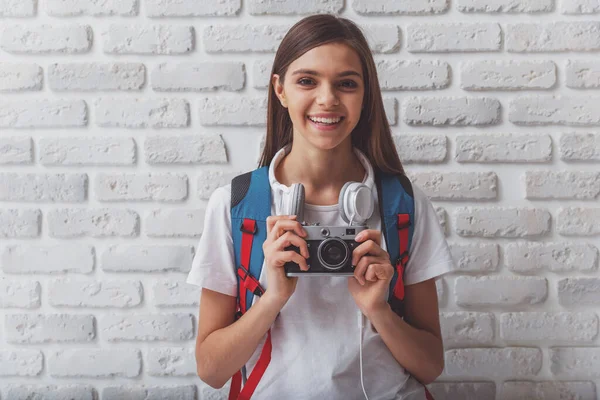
[(330, 250)]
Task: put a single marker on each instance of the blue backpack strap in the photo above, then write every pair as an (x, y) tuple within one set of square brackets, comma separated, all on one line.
[(396, 203), (250, 200)]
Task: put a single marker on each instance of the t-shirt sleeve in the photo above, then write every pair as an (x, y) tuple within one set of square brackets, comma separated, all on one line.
[(213, 266), (430, 256)]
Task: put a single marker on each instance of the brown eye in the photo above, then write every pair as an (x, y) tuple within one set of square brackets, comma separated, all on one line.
[(349, 84), (305, 81)]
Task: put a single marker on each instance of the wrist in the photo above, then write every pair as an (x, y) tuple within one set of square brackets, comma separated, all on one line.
[(272, 301), (377, 310)]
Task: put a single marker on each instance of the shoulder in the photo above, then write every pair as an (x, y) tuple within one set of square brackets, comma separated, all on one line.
[(219, 202)]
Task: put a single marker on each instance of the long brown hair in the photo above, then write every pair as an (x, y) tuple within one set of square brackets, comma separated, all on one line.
[(372, 133)]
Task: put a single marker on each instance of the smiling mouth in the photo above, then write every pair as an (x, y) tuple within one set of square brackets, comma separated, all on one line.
[(326, 121)]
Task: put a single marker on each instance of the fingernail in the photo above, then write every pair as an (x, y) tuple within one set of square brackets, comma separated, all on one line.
[(358, 237)]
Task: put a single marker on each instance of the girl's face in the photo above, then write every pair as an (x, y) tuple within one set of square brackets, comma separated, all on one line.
[(323, 92)]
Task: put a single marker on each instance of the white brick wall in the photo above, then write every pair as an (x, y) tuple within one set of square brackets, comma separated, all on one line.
[(119, 118)]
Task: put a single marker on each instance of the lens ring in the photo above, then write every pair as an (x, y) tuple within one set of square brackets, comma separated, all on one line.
[(328, 242)]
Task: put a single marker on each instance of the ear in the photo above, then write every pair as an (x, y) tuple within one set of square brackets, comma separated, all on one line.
[(278, 89)]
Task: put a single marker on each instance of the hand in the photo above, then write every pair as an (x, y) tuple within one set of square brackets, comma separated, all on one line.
[(372, 274), (283, 231)]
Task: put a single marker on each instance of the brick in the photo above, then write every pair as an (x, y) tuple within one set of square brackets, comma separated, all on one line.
[(580, 147), (463, 390), (155, 186), (79, 151), (142, 113), (500, 291), (507, 75), (583, 74), (18, 77), (467, 329), (174, 223), (96, 76), (20, 223), (16, 150), (477, 257), (191, 8), (95, 363), (50, 392), (442, 217), (21, 362), (241, 111), (43, 113), (47, 39), (538, 110), (136, 258), (147, 327), (441, 290), (390, 106), (49, 259), (291, 7), (18, 8), (454, 37), (507, 222), (243, 38), (413, 75), (209, 179), (49, 328), (171, 361), (421, 148), (92, 222), (452, 111), (70, 188), (148, 39), (548, 390), (96, 8), (562, 185), (382, 38), (503, 148), (391, 7), (489, 363), (206, 76), (580, 7), (457, 185), (573, 362), (145, 392), (94, 294), (554, 36), (175, 294), (546, 326), (19, 294), (556, 257), (578, 221), (261, 73), (506, 6), (190, 149), (579, 292)]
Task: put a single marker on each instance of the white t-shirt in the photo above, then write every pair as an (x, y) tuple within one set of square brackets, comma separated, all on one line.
[(316, 337)]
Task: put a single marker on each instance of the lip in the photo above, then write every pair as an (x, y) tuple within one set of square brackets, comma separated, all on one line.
[(325, 128)]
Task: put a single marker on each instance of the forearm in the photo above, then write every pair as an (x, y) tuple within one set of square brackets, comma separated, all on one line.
[(226, 351), (419, 351)]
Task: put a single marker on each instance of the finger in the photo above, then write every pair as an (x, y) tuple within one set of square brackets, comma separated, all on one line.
[(290, 238), (283, 225), (369, 247), (272, 219), (290, 256), (367, 234), (377, 272), (361, 268)]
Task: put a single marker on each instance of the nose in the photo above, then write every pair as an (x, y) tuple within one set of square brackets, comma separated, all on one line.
[(327, 96)]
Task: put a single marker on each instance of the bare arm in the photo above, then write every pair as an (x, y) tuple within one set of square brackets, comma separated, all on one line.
[(223, 345), (415, 342)]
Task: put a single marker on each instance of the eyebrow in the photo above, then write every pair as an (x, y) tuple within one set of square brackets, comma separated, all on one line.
[(315, 73)]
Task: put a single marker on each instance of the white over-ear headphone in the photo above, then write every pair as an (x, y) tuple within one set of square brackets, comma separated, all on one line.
[(355, 203)]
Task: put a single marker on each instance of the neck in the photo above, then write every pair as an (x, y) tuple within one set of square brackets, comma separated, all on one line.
[(322, 172)]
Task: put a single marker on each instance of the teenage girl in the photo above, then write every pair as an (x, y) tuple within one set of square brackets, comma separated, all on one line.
[(326, 126)]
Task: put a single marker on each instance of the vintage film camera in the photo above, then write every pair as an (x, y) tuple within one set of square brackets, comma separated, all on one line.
[(330, 247)]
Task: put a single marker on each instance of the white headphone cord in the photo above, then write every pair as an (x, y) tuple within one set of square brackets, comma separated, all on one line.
[(361, 325)]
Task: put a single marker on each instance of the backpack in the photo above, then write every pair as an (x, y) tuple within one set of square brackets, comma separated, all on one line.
[(250, 207)]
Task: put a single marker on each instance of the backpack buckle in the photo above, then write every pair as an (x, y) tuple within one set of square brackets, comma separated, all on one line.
[(403, 225), (243, 229), (402, 259)]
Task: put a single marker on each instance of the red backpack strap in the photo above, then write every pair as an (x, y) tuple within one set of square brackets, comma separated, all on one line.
[(251, 283), (403, 224)]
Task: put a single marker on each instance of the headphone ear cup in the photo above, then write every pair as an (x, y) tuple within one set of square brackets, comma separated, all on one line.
[(342, 201)]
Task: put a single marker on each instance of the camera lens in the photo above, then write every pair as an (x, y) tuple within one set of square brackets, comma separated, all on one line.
[(333, 253)]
